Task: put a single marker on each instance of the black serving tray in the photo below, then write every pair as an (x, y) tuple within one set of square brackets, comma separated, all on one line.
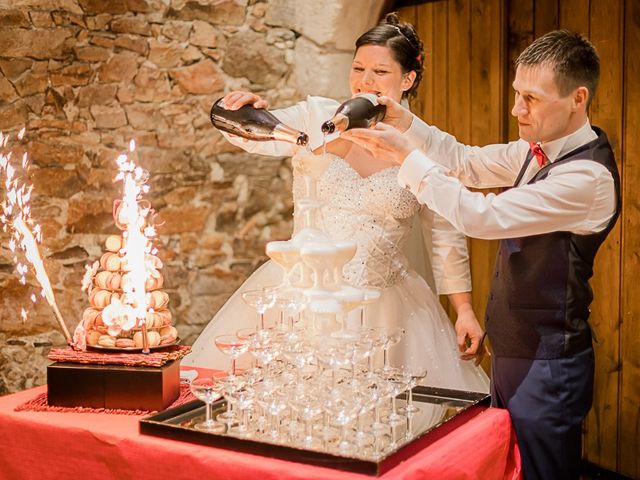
[(442, 410)]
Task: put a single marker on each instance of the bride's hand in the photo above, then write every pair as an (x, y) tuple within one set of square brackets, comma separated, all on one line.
[(470, 337), (237, 99), (396, 115)]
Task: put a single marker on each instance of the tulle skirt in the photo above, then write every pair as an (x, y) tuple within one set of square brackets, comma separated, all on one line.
[(429, 339)]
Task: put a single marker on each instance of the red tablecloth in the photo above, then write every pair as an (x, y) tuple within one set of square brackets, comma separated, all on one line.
[(54, 445)]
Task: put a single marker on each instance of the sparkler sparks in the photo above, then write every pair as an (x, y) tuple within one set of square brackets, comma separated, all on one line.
[(25, 234), (131, 216)]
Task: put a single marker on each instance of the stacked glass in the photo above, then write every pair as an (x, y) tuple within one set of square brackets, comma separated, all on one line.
[(314, 381)]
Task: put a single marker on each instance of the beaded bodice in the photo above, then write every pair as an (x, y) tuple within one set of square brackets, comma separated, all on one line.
[(373, 211)]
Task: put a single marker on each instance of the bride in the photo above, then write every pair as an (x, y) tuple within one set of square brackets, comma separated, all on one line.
[(363, 202)]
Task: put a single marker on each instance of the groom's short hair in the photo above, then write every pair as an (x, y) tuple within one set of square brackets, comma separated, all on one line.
[(572, 57)]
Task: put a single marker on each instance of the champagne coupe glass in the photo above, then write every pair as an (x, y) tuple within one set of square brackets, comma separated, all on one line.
[(311, 167), (261, 300), (390, 337), (229, 385), (308, 408), (417, 374), (233, 346), (349, 298), (242, 398), (358, 350), (263, 392), (265, 346), (346, 251), (361, 399), (378, 338), (287, 255), (377, 390), (274, 405), (299, 355), (296, 302), (371, 295), (319, 257), (254, 374), (324, 311), (332, 355), (307, 236), (371, 338), (399, 382), (344, 412), (308, 209), (207, 390), (291, 303), (281, 306)]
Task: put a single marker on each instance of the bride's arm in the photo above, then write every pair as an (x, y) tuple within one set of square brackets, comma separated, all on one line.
[(469, 333), (450, 264), (295, 116), (306, 116), (448, 254), (292, 116)]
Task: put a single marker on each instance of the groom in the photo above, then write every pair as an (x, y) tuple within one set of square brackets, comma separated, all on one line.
[(563, 200)]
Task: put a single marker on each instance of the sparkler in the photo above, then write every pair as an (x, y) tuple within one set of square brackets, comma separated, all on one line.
[(131, 215), (25, 234)]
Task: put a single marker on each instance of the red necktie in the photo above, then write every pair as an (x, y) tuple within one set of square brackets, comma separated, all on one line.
[(539, 154)]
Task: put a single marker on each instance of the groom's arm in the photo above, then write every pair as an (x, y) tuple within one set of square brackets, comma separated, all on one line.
[(569, 199), (490, 166), (479, 167)]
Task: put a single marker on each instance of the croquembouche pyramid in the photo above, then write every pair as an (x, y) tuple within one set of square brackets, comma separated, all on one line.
[(127, 302)]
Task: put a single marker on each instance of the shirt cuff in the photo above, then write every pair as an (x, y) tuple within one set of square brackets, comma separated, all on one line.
[(418, 134), (415, 167)]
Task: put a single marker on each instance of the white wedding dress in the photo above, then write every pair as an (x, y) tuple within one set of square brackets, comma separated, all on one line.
[(378, 215)]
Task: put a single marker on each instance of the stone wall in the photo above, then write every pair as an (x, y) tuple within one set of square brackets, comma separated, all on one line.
[(86, 76)]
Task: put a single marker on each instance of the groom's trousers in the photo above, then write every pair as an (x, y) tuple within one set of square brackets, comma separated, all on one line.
[(547, 399)]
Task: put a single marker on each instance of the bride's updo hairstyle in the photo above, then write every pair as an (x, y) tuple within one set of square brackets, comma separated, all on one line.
[(405, 45)]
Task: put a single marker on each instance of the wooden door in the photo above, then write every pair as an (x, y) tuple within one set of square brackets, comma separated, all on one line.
[(471, 46), (462, 92)]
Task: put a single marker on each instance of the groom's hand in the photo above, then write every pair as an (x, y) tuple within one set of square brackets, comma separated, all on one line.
[(383, 142), (396, 115)]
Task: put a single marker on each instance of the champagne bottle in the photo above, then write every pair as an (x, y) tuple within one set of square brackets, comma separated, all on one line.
[(254, 124), (361, 111)]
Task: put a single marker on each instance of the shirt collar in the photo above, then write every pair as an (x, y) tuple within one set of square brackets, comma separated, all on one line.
[(561, 146)]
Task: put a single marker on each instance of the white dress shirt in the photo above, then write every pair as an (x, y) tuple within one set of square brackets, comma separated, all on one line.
[(578, 196)]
